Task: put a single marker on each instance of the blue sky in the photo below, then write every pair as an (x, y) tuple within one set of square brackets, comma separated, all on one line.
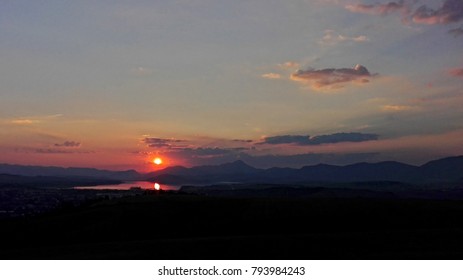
[(200, 75)]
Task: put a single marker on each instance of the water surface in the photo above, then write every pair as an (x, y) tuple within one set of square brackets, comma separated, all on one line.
[(128, 185)]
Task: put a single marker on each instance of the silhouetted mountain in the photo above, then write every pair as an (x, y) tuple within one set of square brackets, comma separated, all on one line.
[(234, 171), (443, 170), (450, 168), (67, 172), (236, 167)]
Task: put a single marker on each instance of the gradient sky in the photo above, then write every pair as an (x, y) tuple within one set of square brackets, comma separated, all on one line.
[(112, 84)]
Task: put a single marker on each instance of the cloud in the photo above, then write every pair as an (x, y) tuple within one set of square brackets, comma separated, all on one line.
[(332, 77), (210, 152), (457, 72), (304, 140), (170, 143), (242, 140), (451, 11), (378, 9), (141, 71), (68, 144), (331, 37), (456, 31), (24, 121), (271, 76), (51, 151), (34, 120), (289, 65), (396, 108)]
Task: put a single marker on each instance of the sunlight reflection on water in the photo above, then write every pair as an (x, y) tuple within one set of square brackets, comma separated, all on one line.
[(128, 185)]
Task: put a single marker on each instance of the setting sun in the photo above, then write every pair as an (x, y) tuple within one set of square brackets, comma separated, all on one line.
[(157, 161), (157, 186)]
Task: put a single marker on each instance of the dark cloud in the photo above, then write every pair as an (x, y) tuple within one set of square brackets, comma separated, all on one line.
[(451, 11), (154, 142), (304, 140), (242, 140), (456, 31), (332, 76), (287, 139), (68, 144), (378, 9)]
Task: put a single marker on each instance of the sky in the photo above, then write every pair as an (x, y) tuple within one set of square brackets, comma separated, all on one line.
[(114, 84)]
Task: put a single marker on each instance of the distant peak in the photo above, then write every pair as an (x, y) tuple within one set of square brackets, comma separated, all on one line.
[(238, 163)]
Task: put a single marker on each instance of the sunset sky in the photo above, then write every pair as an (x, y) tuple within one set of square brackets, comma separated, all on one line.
[(114, 84)]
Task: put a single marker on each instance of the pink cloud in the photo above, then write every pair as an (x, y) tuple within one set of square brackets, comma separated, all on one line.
[(378, 9), (450, 11), (457, 72)]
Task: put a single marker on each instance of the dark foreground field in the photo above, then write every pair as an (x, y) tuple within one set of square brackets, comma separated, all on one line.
[(172, 226)]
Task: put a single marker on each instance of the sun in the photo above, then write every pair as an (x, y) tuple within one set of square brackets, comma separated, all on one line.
[(157, 161), (157, 186)]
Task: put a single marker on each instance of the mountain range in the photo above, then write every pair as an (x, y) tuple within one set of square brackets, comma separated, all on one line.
[(442, 170)]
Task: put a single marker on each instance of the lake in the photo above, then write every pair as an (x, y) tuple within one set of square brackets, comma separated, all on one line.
[(128, 185)]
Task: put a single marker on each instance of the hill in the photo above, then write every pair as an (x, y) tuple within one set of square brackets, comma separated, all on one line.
[(13, 181), (53, 171)]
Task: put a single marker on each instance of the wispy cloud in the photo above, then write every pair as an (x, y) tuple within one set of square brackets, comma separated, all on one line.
[(68, 144), (397, 108), (33, 120), (51, 151), (272, 76), (289, 65), (209, 152), (304, 140), (141, 71), (24, 121), (378, 9), (332, 77), (456, 31), (331, 37), (154, 142)]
